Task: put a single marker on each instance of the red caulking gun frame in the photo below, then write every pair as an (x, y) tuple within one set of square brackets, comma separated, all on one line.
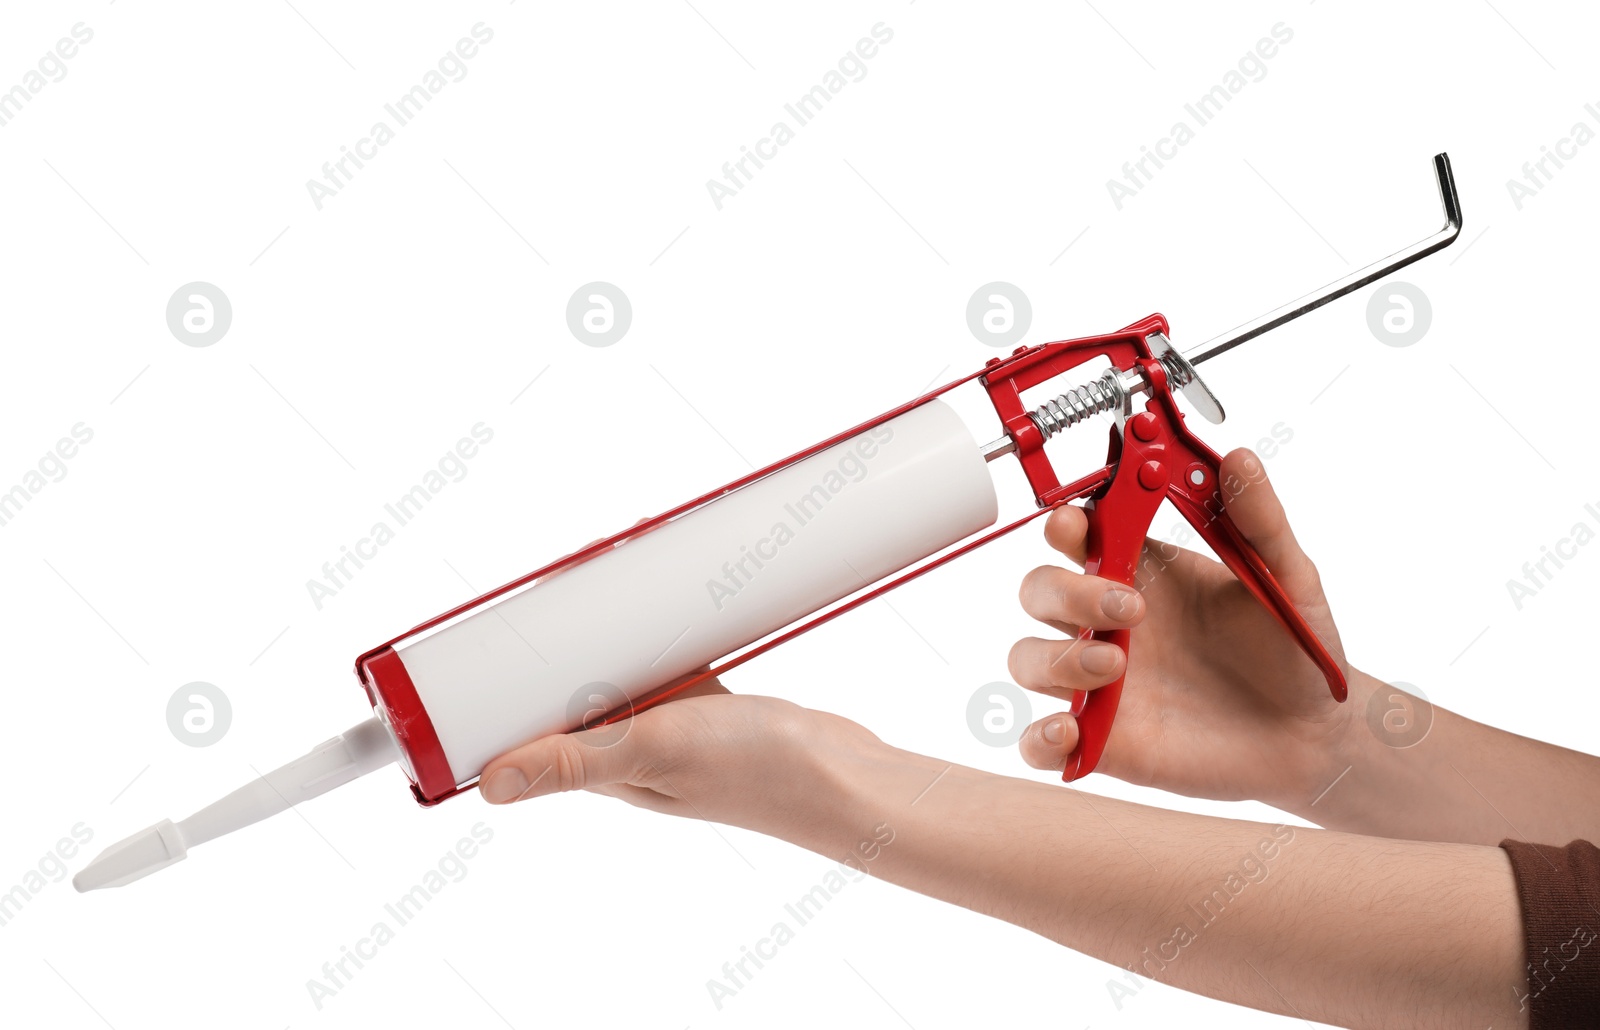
[(531, 657)]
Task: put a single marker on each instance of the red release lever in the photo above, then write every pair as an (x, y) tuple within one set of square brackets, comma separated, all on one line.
[(1156, 458)]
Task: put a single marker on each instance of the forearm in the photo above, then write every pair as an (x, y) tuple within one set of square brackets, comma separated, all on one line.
[(1461, 781), (1309, 923)]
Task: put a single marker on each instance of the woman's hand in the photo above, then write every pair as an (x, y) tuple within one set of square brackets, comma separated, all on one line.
[(756, 762), (1219, 701)]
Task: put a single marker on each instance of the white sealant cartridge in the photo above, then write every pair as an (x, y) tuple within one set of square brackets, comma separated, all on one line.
[(598, 631), (672, 600)]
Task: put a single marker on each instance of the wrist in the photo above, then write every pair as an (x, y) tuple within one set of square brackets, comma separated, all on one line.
[(1328, 748), (849, 792), (1379, 757)]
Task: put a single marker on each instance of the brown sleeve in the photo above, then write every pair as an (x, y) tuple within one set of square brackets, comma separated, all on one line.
[(1560, 893)]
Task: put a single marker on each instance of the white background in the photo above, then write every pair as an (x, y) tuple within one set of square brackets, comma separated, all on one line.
[(424, 298)]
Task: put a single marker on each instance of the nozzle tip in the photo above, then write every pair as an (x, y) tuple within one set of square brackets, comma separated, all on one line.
[(131, 859)]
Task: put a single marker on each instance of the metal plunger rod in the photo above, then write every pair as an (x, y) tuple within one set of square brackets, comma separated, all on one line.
[(1050, 412), (1354, 281)]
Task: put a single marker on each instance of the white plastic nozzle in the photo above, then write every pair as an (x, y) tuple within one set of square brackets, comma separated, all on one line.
[(139, 855), (333, 763)]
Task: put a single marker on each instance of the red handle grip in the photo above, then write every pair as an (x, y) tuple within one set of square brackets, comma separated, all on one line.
[(1158, 459), (1118, 523)]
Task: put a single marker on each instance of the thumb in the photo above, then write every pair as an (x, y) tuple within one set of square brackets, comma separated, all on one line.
[(563, 762), (1258, 513)]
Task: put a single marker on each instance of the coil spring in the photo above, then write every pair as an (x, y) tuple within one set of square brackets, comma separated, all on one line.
[(1179, 372), (1078, 404)]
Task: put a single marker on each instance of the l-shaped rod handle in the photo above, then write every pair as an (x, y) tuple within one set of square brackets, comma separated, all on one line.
[(1354, 281)]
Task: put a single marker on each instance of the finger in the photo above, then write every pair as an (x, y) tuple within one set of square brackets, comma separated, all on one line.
[(704, 687), (567, 568), (1057, 595), (590, 544), (1047, 743), (1067, 530), (1066, 629), (566, 761), (1057, 667), (1257, 511), (709, 685)]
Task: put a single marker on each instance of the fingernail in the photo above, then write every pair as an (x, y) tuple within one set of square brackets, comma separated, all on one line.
[(1098, 659), (503, 785), (1118, 604), (1055, 731)]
